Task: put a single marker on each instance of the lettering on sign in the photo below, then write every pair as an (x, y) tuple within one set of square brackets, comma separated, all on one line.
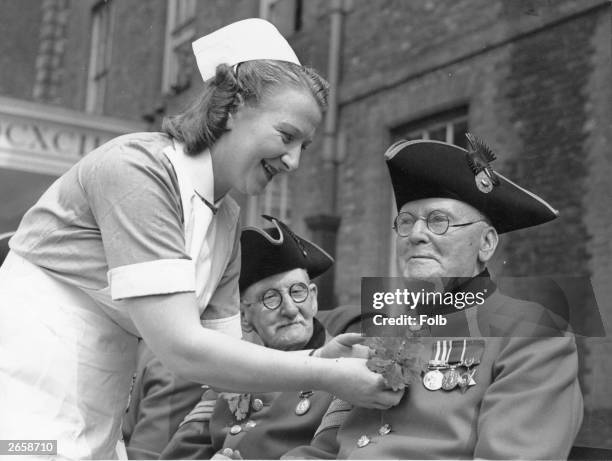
[(48, 139)]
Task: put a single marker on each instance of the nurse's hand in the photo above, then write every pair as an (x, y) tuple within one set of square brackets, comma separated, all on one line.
[(352, 381), (344, 345)]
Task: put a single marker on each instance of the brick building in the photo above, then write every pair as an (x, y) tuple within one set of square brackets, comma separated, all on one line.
[(532, 77)]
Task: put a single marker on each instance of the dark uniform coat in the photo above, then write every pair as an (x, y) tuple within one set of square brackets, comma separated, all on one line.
[(158, 403), (270, 428), (525, 403)]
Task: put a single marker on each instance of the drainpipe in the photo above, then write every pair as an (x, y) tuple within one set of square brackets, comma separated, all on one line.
[(324, 227), (330, 147)]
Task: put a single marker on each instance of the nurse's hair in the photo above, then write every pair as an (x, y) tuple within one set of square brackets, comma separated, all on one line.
[(205, 120)]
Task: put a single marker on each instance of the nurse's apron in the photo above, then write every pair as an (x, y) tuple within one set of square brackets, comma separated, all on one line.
[(67, 358)]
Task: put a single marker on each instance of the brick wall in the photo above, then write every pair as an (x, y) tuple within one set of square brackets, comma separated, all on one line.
[(19, 22), (597, 219), (136, 65), (51, 48), (546, 88), (76, 56)]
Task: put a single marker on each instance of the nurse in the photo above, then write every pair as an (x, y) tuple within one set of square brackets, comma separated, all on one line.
[(140, 239)]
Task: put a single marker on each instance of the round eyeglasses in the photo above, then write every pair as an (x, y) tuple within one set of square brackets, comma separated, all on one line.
[(273, 298), (437, 222)]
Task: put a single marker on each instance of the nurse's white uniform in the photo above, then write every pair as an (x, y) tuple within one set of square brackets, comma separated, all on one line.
[(67, 354)]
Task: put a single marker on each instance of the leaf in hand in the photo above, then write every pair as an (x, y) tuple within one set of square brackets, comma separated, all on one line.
[(243, 406), (238, 403), (378, 365), (394, 377), (231, 399), (396, 359)]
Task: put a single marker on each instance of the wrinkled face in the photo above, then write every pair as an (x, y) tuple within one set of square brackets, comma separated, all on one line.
[(288, 327), (264, 140), (460, 252)]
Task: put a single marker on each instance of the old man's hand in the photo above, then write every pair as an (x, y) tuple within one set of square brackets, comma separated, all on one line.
[(227, 453)]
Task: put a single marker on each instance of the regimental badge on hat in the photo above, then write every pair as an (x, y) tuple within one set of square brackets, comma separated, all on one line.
[(479, 156), (241, 41), (270, 251), (422, 169)]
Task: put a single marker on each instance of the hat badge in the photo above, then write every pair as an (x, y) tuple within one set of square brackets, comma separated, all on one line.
[(479, 156), (283, 228)]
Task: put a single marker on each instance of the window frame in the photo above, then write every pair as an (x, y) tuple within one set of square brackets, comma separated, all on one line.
[(180, 29), (287, 24), (422, 128), (100, 56)]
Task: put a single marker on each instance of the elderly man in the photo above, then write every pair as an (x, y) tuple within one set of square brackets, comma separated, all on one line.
[(506, 390), (278, 303)]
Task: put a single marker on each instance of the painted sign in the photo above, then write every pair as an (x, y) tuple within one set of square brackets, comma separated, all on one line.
[(46, 139)]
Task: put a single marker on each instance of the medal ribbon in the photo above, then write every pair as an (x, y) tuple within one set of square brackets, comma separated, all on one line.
[(448, 352)]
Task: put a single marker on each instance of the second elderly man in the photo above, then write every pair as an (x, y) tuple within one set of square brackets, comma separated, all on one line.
[(278, 303)]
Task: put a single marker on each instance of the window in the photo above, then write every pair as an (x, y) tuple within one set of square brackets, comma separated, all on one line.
[(449, 126), (286, 15), (100, 56), (178, 56)]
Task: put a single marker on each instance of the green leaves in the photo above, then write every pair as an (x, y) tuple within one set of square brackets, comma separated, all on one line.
[(396, 359)]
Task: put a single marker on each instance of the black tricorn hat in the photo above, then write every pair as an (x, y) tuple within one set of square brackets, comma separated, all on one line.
[(426, 169), (273, 250)]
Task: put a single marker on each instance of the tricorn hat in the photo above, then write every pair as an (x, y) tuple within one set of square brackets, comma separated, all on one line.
[(241, 41), (270, 251), (426, 169)]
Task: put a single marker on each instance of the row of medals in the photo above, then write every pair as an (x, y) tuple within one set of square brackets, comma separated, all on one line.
[(442, 375), (301, 408)]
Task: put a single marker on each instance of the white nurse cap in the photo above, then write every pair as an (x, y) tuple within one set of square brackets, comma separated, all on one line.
[(241, 41)]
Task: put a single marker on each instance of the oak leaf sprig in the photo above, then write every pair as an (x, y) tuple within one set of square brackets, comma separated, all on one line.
[(238, 404), (396, 359)]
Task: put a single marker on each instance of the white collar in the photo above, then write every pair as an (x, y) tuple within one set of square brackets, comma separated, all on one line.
[(206, 185)]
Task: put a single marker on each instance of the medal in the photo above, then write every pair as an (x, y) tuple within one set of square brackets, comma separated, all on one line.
[(363, 441), (463, 382), (302, 407), (478, 157), (257, 404), (450, 380), (484, 182), (437, 360), (432, 380), (304, 404), (250, 425), (467, 380), (384, 429)]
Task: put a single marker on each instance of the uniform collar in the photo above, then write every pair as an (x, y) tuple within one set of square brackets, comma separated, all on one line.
[(319, 335), (204, 189)]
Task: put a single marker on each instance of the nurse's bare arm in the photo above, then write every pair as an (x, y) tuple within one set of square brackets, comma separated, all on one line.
[(171, 327)]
